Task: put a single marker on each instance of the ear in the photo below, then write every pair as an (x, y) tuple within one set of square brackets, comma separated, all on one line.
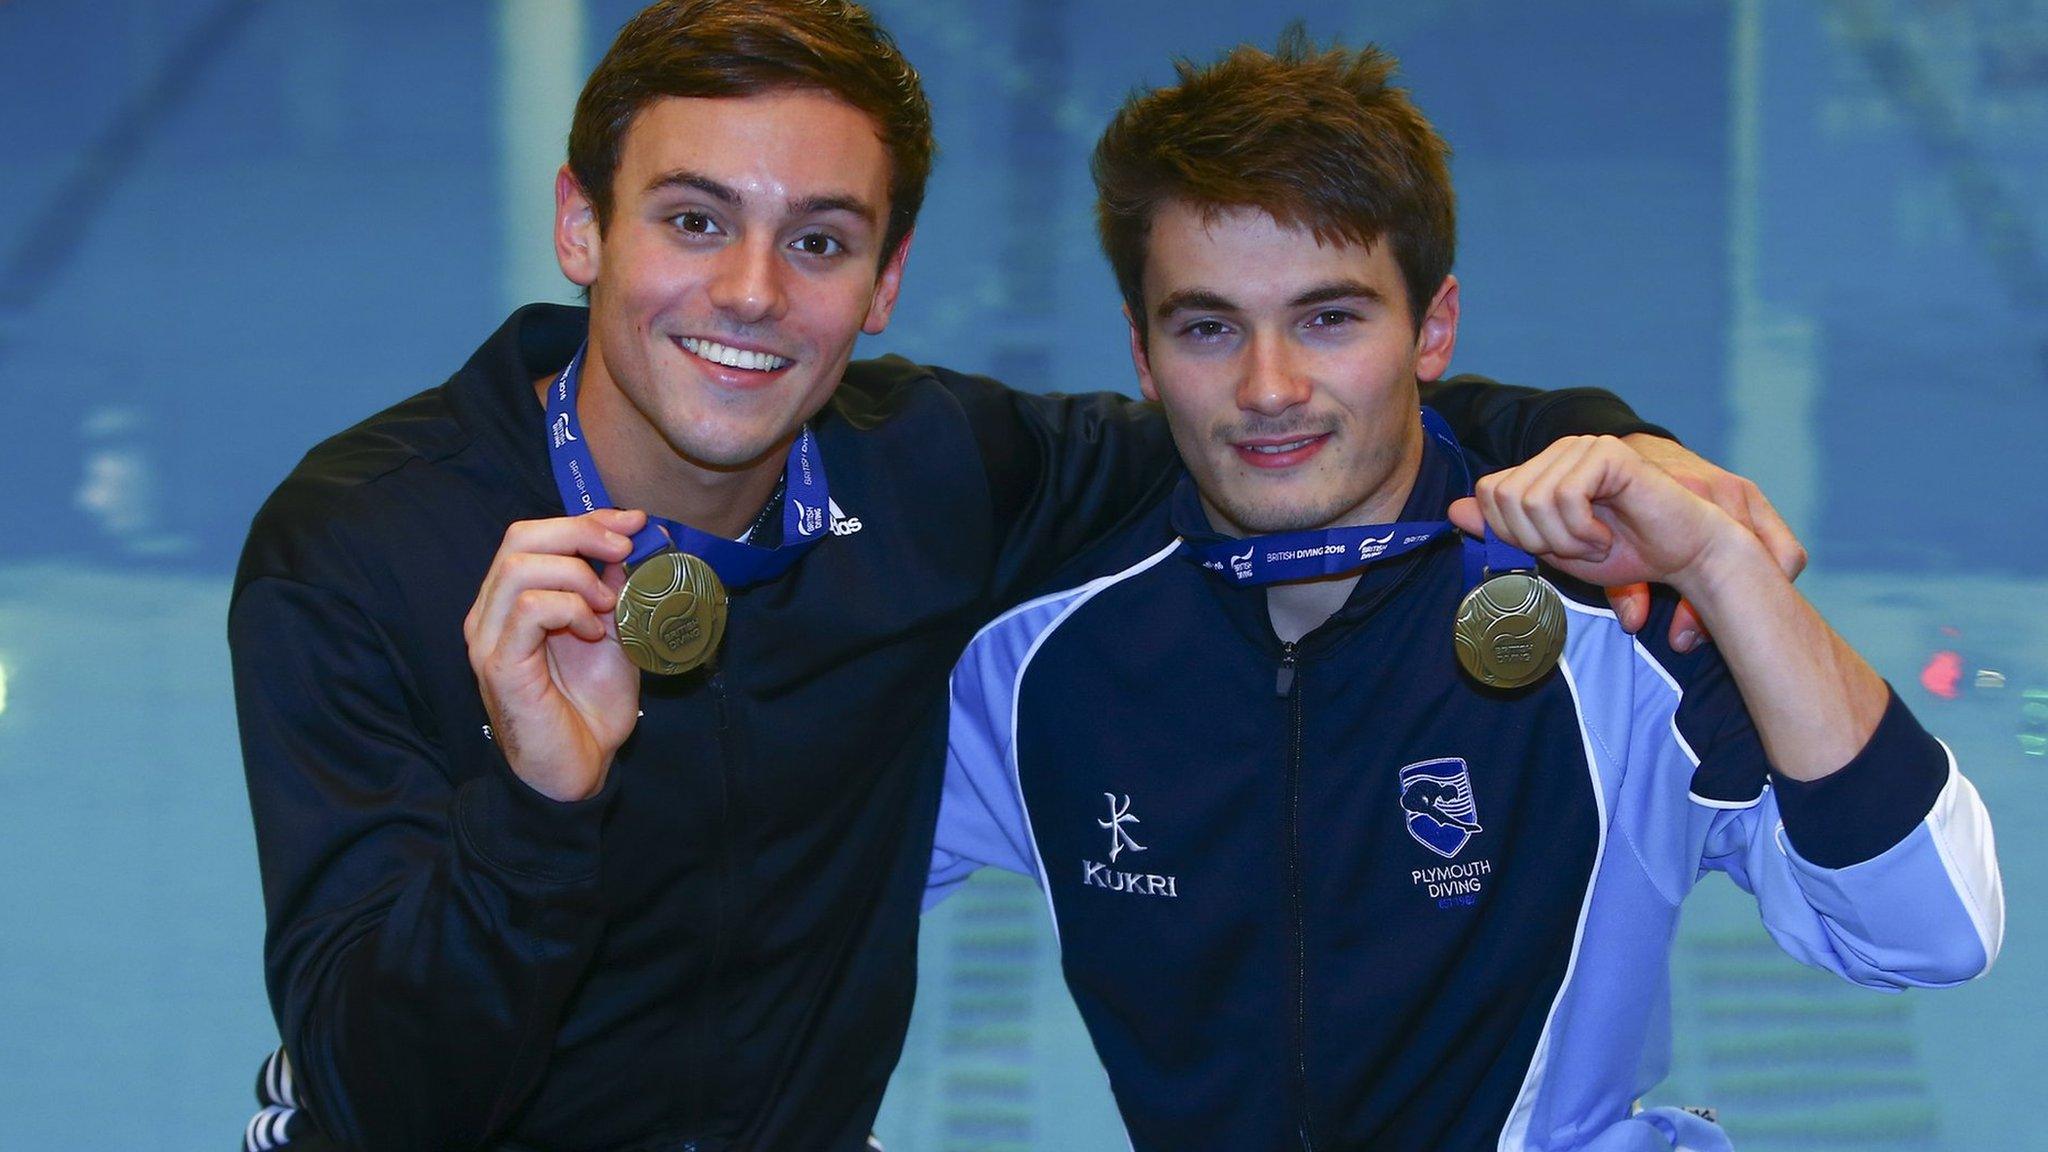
[(578, 244), (1439, 335), (883, 304), (1141, 359)]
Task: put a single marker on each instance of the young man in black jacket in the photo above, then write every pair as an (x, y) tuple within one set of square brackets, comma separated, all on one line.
[(520, 895)]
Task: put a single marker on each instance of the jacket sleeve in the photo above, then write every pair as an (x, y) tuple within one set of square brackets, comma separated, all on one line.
[(1883, 872), (1064, 471), (423, 935), (1502, 424), (982, 814), (982, 818)]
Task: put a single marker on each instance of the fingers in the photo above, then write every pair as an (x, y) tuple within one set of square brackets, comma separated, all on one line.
[(523, 572), (1631, 604), (1687, 630), (600, 535), (538, 612), (1546, 506), (1777, 536), (1465, 513), (550, 555), (615, 581), (1735, 495), (508, 654), (1505, 497)]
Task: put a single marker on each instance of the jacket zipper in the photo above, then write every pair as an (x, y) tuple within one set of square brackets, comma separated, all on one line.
[(714, 1079), (1284, 685)]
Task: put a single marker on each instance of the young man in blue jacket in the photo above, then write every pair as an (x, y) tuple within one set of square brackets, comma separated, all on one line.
[(1316, 885)]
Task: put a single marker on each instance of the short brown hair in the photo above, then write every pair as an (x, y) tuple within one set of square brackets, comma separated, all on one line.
[(744, 48), (1314, 138)]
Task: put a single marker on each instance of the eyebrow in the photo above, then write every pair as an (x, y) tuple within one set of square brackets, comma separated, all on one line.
[(803, 206), (1336, 290), (1204, 300), (1192, 300)]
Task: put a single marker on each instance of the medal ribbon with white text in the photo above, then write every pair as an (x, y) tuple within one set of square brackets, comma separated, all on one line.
[(738, 564), (1283, 556)]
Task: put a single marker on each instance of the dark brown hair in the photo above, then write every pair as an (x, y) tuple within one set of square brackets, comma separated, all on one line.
[(1314, 138), (744, 48)]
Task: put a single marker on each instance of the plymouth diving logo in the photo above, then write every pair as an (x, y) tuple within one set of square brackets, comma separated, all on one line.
[(1119, 836), (1437, 804)]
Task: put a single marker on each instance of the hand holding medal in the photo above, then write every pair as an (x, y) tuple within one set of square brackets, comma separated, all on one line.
[(556, 688), (1591, 507), (671, 614)]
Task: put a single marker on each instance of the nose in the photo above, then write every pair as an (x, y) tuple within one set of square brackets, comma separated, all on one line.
[(1272, 381), (747, 281)]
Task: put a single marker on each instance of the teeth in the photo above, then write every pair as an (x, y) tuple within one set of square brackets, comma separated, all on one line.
[(733, 357), (1277, 449)]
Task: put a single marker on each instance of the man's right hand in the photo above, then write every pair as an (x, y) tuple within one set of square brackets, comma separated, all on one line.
[(559, 690)]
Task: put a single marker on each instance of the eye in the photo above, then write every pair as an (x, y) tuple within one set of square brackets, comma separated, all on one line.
[(696, 223), (1332, 318), (818, 244), (1206, 330)]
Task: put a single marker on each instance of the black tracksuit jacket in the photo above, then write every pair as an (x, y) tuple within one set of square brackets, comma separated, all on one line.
[(718, 951)]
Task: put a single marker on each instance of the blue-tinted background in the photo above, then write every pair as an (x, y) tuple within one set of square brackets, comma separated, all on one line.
[(1807, 235)]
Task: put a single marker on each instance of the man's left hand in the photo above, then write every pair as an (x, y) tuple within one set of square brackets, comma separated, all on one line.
[(1546, 507), (1744, 503)]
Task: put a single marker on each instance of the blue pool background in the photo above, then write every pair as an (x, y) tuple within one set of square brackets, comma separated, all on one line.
[(1807, 235)]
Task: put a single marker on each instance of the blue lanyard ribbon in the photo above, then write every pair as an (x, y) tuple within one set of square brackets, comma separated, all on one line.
[(1284, 556), (805, 498)]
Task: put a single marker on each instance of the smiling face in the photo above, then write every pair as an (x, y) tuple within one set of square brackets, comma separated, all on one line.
[(741, 261), (1287, 368)]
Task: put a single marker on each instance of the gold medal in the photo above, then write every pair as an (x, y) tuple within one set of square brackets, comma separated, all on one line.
[(671, 613), (1510, 630)]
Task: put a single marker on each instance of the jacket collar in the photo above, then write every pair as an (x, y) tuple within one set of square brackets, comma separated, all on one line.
[(493, 394)]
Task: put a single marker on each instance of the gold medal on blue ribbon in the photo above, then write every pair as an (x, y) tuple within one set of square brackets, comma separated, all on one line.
[(671, 613), (1510, 630)]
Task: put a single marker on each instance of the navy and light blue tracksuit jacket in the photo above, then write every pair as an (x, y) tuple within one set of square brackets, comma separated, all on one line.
[(1337, 895)]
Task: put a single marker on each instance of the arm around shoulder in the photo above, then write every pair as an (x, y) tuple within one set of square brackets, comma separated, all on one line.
[(1501, 424), (1064, 471)]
